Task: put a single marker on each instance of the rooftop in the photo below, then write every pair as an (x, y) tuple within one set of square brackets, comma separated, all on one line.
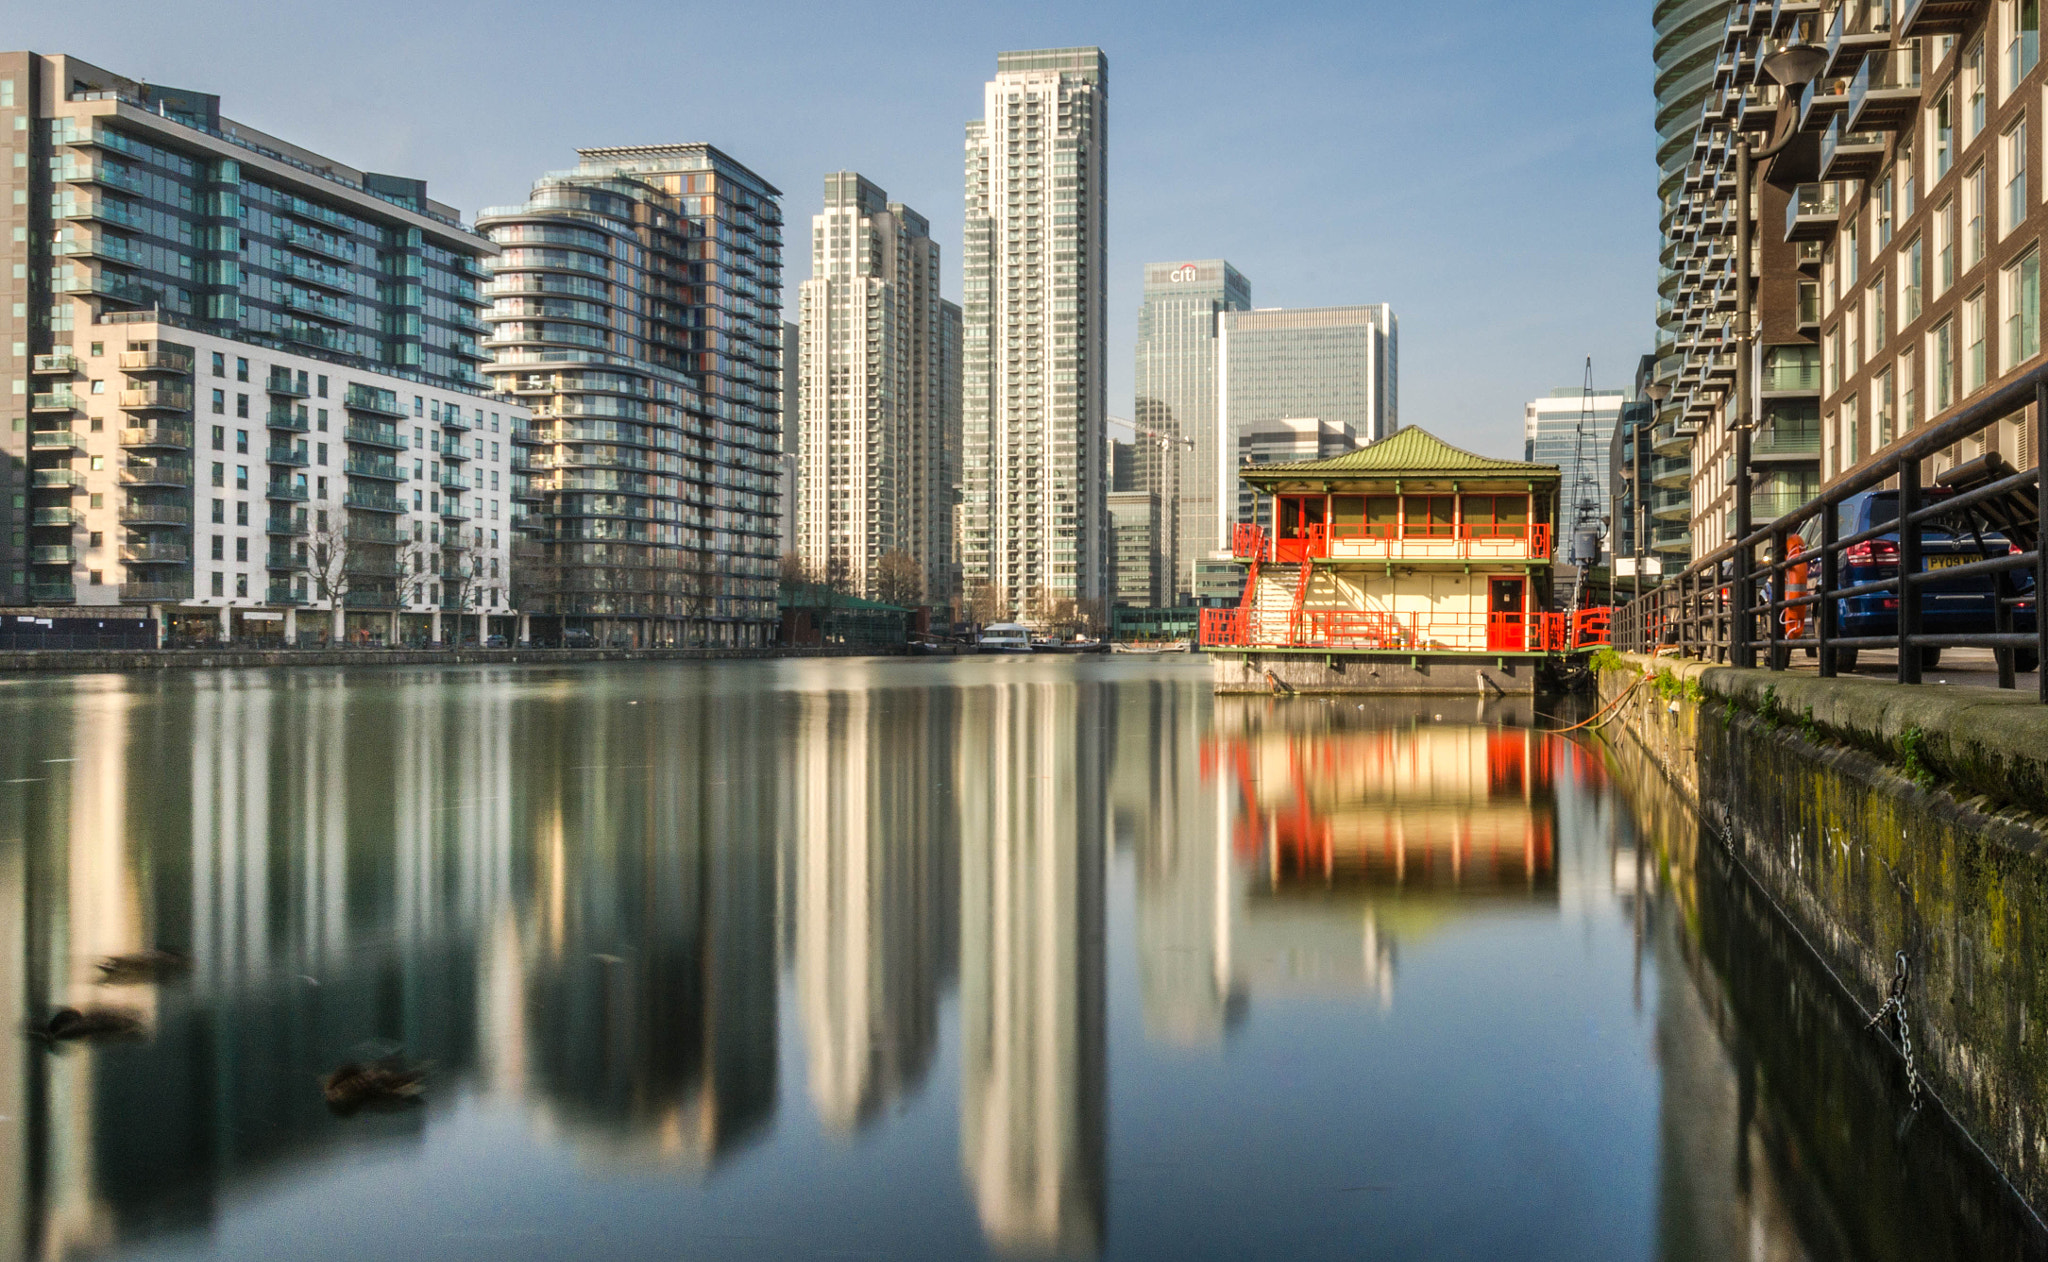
[(1410, 451)]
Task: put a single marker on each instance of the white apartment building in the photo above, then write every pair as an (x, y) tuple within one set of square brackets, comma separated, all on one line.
[(878, 397), (1036, 476)]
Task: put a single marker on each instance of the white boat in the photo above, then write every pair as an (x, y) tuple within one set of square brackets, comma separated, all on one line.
[(1005, 637), (1175, 646)]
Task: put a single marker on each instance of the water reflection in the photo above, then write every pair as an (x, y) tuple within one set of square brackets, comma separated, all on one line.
[(766, 939)]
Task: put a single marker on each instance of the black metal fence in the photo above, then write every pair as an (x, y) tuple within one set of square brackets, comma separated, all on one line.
[(1733, 604)]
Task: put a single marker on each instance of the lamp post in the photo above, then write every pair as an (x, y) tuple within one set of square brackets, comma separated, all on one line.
[(1793, 66)]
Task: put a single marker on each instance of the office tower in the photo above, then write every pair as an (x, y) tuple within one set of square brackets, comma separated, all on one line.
[(1285, 442), (786, 458), (876, 436), (1340, 365), (1035, 401), (638, 307), (245, 377), (1136, 519), (1179, 444), (1572, 431)]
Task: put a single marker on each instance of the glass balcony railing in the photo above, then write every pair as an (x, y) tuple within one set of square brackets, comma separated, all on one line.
[(1781, 439)]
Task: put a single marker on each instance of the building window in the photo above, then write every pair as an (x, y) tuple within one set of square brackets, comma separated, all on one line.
[(242, 441), (1849, 448), (219, 581), (1941, 364), (220, 438), (242, 406), (1944, 129), (1909, 284), (1881, 413), (220, 368), (241, 369), (241, 549), (1973, 342), (320, 388), (220, 545), (2023, 309), (2024, 49), (1944, 248), (220, 474), (241, 512), (1886, 188), (1851, 256), (2015, 145), (1973, 85), (241, 585), (1909, 393), (220, 507), (1973, 217), (1874, 308), (220, 402)]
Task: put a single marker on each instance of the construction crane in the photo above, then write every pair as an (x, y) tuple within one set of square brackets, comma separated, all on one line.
[(1589, 527)]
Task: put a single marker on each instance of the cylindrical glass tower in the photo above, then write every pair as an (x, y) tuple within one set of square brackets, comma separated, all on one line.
[(1688, 36)]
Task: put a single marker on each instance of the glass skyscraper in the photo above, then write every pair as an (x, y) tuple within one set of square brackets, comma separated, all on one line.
[(1035, 402), (1177, 438), (638, 308), (1572, 432), (1338, 365)]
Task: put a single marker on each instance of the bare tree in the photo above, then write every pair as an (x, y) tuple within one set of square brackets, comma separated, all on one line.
[(985, 603), (897, 579), (327, 567)]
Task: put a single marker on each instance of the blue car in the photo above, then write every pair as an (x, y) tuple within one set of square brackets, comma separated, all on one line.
[(1960, 606)]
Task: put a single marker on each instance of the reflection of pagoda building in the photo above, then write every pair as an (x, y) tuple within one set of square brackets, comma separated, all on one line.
[(873, 836), (650, 1005), (1032, 763)]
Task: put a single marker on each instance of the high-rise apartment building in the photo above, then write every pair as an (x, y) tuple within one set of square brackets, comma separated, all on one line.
[(1036, 304), (1687, 44), (1571, 430), (1340, 365), (637, 307), (245, 377), (1179, 444), (878, 444)]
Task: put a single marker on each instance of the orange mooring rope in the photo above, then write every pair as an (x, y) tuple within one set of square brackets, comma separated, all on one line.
[(1609, 706)]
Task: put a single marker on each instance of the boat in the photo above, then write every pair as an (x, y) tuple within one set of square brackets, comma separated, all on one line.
[(1170, 646), (1005, 637)]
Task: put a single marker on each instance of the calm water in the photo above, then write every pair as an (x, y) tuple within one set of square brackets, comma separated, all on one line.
[(900, 959)]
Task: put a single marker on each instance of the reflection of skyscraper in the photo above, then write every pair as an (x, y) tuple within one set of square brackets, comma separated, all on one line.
[(872, 869), (1032, 765)]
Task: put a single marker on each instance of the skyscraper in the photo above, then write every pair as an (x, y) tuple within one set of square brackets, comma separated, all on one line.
[(877, 435), (1337, 365), (639, 310), (1035, 400), (1178, 443), (1572, 432)]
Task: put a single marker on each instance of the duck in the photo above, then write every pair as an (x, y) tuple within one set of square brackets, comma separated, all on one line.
[(69, 1024), (154, 965), (358, 1084)]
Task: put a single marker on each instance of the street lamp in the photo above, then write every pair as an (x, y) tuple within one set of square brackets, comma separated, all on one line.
[(1793, 66)]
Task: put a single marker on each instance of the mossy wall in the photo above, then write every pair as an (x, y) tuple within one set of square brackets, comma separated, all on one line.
[(1869, 854)]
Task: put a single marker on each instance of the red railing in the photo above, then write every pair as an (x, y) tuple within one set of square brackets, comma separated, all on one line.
[(1247, 541), (1378, 629)]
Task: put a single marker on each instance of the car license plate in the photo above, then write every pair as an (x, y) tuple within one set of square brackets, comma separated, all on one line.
[(1952, 559)]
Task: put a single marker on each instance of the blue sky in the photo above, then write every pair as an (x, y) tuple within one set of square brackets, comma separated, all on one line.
[(1488, 169)]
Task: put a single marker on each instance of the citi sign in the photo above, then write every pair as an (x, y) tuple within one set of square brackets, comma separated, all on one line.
[(1185, 272)]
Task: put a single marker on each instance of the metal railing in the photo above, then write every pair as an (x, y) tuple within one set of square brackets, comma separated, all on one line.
[(1731, 604)]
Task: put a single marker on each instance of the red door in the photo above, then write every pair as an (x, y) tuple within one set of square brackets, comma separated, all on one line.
[(1504, 615)]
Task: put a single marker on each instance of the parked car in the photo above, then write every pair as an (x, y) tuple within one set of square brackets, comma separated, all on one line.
[(1959, 606), (578, 638), (496, 642)]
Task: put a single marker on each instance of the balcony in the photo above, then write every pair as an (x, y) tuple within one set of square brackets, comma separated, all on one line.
[(1786, 439), (452, 419), (287, 416), (451, 479), (156, 361), (1812, 213), (56, 401), (1885, 92), (367, 497), (454, 451), (319, 306), (56, 479), (287, 454), (284, 383), (103, 285), (155, 554), (55, 440), (155, 473), (371, 564), (292, 492), (370, 399), (156, 399), (63, 363), (1936, 17), (373, 598), (1849, 155), (1768, 506), (1790, 376), (283, 594), (374, 531), (159, 593), (1821, 100), (362, 465), (51, 592), (306, 239), (1859, 27), (77, 208), (453, 510), (374, 434), (1670, 471), (283, 559), (143, 513), (56, 517), (53, 554), (283, 524)]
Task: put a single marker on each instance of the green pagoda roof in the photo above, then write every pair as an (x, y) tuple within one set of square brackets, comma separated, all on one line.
[(1409, 452)]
